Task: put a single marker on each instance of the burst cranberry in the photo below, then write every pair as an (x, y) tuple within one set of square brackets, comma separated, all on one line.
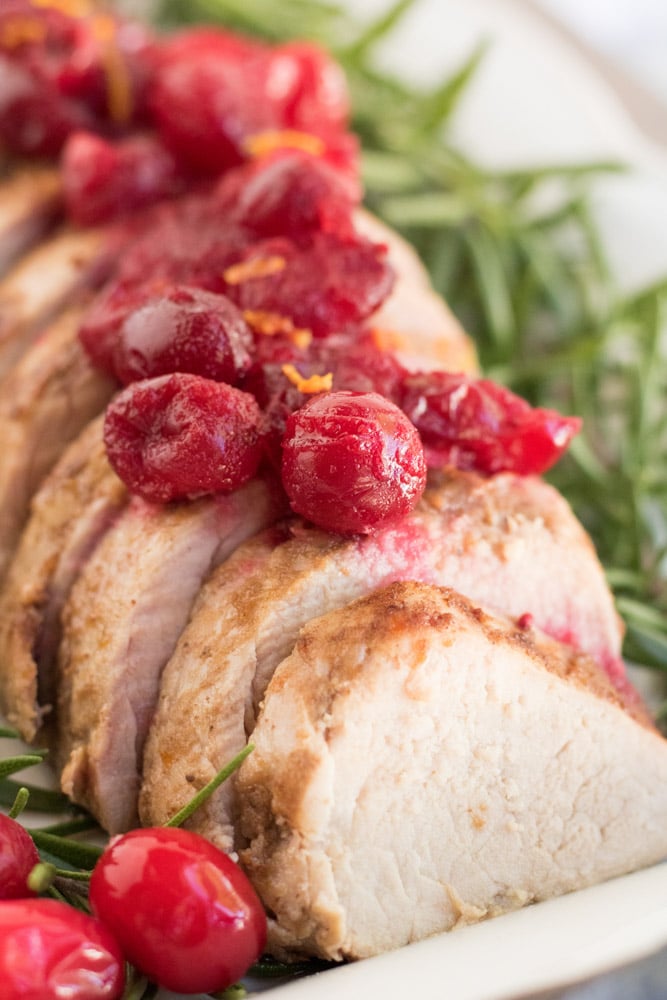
[(352, 462), (477, 424), (325, 286), (183, 330), (105, 180), (18, 856), (287, 194), (49, 951), (184, 913), (182, 436)]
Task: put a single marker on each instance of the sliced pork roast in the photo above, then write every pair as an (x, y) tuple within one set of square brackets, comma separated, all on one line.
[(30, 205), (509, 542), (120, 625), (54, 393), (76, 504), (45, 281), (420, 764), (415, 323)]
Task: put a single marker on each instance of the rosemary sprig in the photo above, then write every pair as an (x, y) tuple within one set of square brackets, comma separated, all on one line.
[(519, 259)]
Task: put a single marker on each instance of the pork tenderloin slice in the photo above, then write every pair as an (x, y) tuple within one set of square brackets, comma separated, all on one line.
[(509, 542), (120, 625), (420, 764), (44, 282), (55, 392), (30, 204), (415, 323), (75, 505)]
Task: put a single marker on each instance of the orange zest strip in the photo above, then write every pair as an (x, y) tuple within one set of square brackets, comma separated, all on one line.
[(387, 340), (316, 383), (19, 30), (118, 82), (270, 324), (263, 143), (258, 267)]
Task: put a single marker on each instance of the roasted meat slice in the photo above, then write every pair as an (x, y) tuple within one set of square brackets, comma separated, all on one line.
[(509, 542), (74, 507), (30, 204), (47, 280), (54, 393), (420, 764), (415, 323), (120, 625)]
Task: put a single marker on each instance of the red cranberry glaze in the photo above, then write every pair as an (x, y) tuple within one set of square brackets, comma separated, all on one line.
[(352, 462), (180, 436)]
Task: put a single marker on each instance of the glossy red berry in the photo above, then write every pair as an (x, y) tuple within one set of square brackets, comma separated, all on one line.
[(49, 951), (208, 95), (184, 913), (181, 436), (18, 856), (352, 462), (479, 425), (183, 330), (105, 180)]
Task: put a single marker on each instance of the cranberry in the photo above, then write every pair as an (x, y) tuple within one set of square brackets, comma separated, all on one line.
[(60, 73), (352, 462), (477, 424), (184, 913), (100, 327), (182, 436), (287, 194), (34, 120), (325, 286), (18, 856), (183, 330), (309, 87), (104, 180), (49, 950), (206, 97)]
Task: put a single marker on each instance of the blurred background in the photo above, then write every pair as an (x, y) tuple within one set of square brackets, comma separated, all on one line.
[(628, 40)]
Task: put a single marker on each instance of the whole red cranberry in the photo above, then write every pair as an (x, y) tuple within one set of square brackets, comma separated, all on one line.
[(181, 436), (183, 330), (352, 462)]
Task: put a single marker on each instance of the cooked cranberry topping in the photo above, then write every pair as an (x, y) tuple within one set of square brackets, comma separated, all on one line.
[(324, 286), (477, 424), (289, 193), (104, 180), (208, 94), (309, 87), (183, 330), (59, 74), (180, 436), (352, 462)]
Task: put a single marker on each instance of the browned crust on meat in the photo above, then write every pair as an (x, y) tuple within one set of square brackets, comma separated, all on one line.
[(49, 546)]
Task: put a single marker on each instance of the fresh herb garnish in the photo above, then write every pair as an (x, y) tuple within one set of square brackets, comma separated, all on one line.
[(519, 259)]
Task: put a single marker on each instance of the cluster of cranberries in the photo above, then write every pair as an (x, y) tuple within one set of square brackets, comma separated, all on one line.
[(237, 320), (164, 899)]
